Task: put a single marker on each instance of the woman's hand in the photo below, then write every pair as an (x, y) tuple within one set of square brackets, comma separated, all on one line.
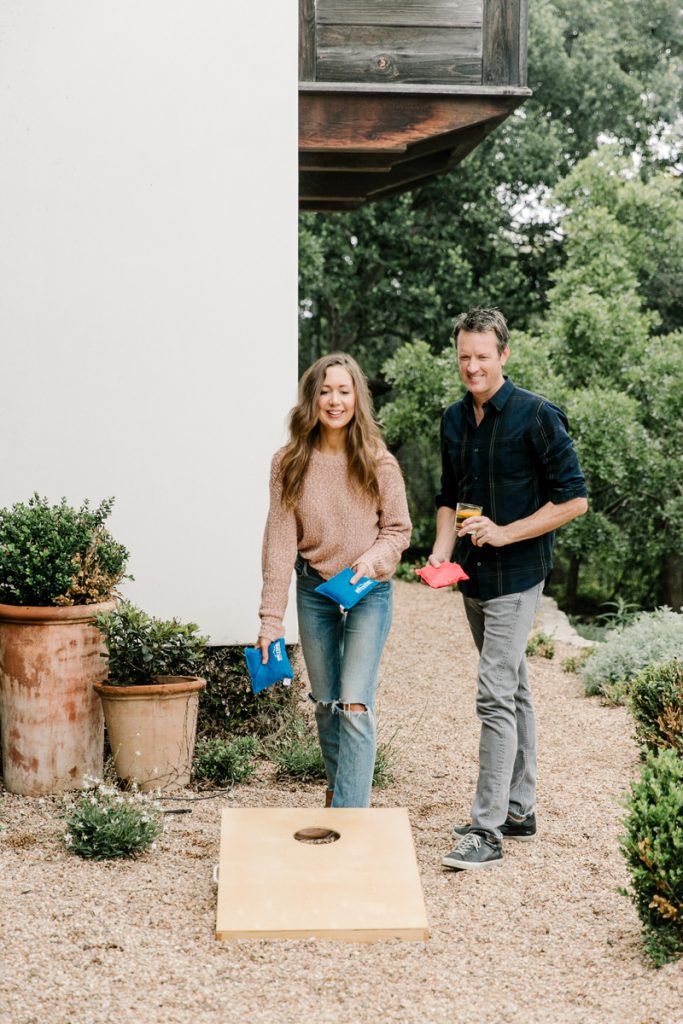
[(360, 569), (264, 645)]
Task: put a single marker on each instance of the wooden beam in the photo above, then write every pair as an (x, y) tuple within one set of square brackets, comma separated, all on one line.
[(370, 53), (328, 205), (361, 122), (463, 13), (504, 24), (366, 162), (307, 40), (358, 186)]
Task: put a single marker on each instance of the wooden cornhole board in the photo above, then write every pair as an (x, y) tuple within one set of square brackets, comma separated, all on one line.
[(361, 888)]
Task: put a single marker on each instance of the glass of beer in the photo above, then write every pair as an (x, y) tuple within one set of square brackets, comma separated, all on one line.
[(463, 511)]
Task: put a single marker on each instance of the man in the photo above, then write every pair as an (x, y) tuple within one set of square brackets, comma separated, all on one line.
[(507, 450)]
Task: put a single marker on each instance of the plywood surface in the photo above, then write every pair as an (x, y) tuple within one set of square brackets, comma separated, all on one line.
[(363, 887)]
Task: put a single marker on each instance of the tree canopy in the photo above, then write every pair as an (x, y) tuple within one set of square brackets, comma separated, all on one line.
[(570, 219)]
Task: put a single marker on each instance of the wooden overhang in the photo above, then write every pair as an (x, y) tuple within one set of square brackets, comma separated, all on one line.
[(393, 93)]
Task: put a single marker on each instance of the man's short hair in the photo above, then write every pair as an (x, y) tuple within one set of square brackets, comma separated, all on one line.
[(481, 320)]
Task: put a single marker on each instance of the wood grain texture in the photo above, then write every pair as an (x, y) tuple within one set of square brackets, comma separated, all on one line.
[(307, 43), (367, 122), (450, 13), (352, 53), (362, 888), (502, 42)]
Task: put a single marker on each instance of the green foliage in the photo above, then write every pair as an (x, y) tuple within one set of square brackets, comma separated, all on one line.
[(653, 848), (541, 644), (104, 823), (656, 703), (228, 706), (653, 637), (406, 571), (222, 763), (296, 753), (569, 218), (57, 554), (574, 662), (140, 647), (399, 270), (619, 613)]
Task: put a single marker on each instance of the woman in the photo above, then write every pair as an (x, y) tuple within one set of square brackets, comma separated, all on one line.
[(337, 499)]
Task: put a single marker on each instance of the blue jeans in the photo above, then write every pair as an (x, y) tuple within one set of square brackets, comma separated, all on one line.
[(342, 651), (507, 746)]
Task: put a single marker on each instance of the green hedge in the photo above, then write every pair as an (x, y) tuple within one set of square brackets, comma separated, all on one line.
[(656, 703), (653, 848), (227, 706)]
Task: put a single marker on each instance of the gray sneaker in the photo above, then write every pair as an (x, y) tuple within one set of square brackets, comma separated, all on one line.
[(523, 829), (475, 850)]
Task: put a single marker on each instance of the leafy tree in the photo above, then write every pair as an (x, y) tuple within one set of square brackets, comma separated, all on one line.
[(399, 270)]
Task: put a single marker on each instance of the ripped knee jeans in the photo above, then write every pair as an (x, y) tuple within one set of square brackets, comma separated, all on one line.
[(342, 651)]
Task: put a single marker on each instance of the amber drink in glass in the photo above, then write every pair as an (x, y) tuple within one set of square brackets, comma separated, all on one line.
[(463, 511)]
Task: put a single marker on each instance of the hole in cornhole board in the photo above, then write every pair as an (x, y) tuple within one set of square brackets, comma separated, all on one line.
[(363, 886), (316, 835)]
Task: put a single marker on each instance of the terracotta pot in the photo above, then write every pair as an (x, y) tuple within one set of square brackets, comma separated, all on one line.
[(50, 718), (152, 729)]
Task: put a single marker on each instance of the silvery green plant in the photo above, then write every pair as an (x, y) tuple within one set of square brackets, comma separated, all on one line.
[(650, 638), (102, 823)]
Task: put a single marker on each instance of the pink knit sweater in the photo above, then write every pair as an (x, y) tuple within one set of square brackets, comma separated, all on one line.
[(333, 527)]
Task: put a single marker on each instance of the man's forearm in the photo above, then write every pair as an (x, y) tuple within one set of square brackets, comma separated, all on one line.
[(445, 533), (545, 519)]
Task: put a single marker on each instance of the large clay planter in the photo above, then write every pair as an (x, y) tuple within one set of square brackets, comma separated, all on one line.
[(50, 718), (152, 730)]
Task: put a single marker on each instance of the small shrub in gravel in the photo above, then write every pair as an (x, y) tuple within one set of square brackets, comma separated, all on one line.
[(542, 645), (575, 661), (656, 703), (221, 763), (653, 848), (228, 707), (652, 637), (296, 753), (103, 823)]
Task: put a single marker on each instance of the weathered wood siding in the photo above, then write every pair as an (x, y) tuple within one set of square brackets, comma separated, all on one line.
[(452, 42)]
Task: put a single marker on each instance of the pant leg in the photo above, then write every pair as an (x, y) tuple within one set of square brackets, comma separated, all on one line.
[(366, 628), (500, 628), (321, 625)]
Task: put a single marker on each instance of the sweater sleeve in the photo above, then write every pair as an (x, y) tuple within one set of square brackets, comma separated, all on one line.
[(278, 556), (394, 521)]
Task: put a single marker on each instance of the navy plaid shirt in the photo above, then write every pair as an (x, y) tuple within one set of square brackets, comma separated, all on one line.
[(519, 458)]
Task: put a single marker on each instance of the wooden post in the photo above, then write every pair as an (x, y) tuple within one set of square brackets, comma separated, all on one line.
[(504, 42), (307, 41)]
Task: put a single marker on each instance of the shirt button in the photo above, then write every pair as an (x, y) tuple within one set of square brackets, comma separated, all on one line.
[(478, 563)]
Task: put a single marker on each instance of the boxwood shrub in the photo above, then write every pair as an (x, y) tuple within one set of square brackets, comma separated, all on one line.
[(653, 848), (656, 703)]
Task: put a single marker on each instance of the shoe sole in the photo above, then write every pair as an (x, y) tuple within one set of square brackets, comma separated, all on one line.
[(464, 865), (517, 839)]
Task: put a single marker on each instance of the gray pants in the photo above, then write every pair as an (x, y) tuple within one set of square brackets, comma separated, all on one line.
[(507, 747)]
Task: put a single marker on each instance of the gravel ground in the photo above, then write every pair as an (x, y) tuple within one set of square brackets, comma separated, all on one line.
[(546, 939)]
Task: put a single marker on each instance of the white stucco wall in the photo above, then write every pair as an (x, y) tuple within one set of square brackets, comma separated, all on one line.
[(148, 325)]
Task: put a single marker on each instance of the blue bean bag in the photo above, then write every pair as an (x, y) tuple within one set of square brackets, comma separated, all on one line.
[(276, 668), (340, 590)]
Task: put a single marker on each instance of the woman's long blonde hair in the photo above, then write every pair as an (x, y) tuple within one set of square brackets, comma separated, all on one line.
[(364, 441)]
